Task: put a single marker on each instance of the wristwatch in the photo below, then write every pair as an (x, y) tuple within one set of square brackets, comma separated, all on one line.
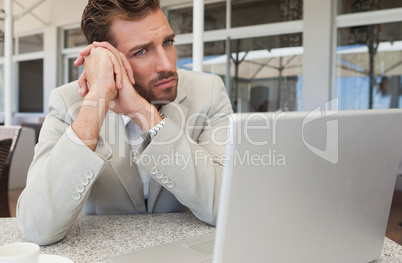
[(149, 135)]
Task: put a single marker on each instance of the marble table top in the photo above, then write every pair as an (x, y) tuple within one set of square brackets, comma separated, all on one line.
[(95, 238)]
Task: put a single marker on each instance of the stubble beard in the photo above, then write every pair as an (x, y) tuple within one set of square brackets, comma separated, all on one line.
[(169, 94)]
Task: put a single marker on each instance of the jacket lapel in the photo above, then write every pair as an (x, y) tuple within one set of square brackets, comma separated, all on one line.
[(154, 190), (177, 113), (122, 162)]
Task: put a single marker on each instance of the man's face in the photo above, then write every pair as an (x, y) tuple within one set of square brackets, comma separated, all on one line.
[(148, 46)]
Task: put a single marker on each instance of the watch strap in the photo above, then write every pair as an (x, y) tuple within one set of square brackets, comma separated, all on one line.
[(149, 135)]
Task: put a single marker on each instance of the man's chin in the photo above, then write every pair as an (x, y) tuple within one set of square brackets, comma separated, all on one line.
[(169, 95)]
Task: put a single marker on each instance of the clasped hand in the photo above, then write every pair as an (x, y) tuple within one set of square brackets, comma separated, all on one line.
[(108, 75)]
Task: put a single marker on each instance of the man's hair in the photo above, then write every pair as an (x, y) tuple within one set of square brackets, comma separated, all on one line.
[(99, 14)]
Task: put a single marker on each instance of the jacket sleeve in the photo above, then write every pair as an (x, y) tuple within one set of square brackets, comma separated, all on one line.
[(190, 158), (60, 177)]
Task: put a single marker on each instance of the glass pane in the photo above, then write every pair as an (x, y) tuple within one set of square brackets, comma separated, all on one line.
[(369, 66), (32, 43), (30, 86), (256, 12), (215, 59), (266, 73), (357, 6), (74, 72), (181, 20), (212, 51), (215, 16), (184, 56), (74, 38)]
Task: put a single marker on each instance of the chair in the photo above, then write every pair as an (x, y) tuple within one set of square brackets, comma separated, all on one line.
[(259, 97), (8, 139)]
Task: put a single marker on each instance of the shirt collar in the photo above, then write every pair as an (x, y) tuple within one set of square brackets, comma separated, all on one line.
[(126, 119)]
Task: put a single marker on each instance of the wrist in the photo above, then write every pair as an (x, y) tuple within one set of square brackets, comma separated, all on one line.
[(150, 134), (147, 118), (88, 122), (101, 103), (98, 93)]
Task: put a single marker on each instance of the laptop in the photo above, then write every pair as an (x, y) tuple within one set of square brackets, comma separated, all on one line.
[(299, 187)]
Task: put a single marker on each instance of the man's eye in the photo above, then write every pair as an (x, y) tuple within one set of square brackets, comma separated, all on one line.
[(139, 53), (168, 42)]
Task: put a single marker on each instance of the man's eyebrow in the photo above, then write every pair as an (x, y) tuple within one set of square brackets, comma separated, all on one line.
[(173, 35), (141, 46)]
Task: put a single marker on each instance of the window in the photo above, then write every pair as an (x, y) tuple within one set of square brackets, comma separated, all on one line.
[(184, 56), (214, 57), (30, 86), (73, 72), (256, 12), (267, 73), (262, 73), (369, 66), (31, 43), (28, 82), (73, 40), (27, 90), (181, 20), (357, 6)]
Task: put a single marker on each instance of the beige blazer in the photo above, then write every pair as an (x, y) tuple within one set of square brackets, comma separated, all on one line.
[(183, 161)]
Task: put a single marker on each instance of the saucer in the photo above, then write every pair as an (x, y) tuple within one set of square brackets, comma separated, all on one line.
[(53, 259)]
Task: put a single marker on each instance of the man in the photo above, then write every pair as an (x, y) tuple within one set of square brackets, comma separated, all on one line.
[(163, 155)]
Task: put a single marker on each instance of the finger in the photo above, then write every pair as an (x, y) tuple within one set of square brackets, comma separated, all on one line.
[(116, 53), (82, 54), (127, 67), (117, 69), (122, 58), (79, 61), (87, 50), (109, 47), (82, 82)]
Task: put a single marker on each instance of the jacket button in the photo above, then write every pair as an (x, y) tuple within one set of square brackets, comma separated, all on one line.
[(89, 174), (153, 170), (170, 184), (159, 175), (165, 179), (80, 188), (84, 181), (76, 196)]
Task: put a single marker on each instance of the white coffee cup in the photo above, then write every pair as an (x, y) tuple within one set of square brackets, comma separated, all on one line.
[(23, 252)]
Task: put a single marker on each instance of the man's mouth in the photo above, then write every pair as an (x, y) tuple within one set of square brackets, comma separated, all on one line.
[(166, 83)]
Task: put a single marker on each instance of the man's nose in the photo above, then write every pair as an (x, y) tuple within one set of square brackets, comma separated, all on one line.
[(162, 61)]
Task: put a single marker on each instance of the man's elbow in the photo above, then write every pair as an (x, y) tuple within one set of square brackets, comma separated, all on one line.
[(209, 218), (42, 239), (42, 236)]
